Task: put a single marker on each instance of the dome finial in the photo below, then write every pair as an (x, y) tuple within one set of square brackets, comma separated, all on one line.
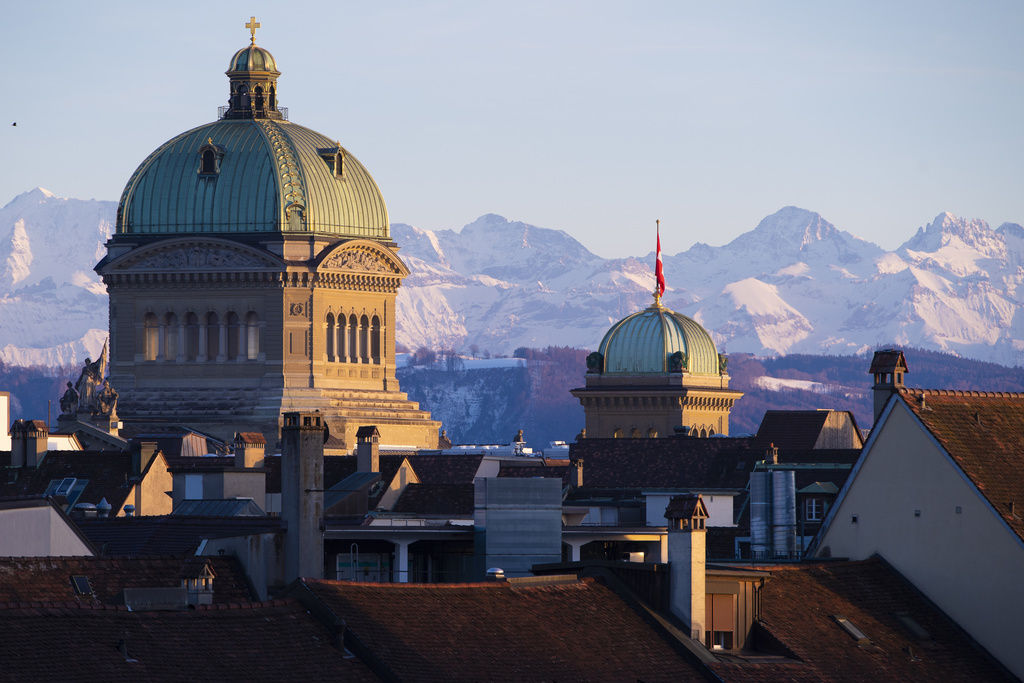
[(252, 26)]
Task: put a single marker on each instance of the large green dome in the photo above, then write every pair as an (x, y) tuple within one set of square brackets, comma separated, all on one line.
[(252, 171), (645, 342)]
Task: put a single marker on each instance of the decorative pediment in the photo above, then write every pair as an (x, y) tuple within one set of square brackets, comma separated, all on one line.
[(363, 259), (193, 256)]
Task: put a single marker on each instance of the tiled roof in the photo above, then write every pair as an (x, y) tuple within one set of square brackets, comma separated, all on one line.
[(109, 474), (168, 535), (436, 499), (888, 359), (276, 641), (532, 471), (984, 433), (790, 429), (446, 469), (798, 606), (503, 632), (251, 438), (336, 469), (48, 579), (664, 463)]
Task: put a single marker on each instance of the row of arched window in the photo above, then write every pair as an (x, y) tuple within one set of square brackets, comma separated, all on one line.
[(701, 432), (353, 339), (209, 338)]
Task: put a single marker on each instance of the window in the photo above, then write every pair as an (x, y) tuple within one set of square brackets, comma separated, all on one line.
[(813, 508), (193, 487), (252, 330), (233, 350), (213, 351), (375, 339), (343, 349), (150, 337), (330, 337), (170, 336), (191, 336), (353, 332), (208, 162), (852, 629), (364, 332), (720, 621)]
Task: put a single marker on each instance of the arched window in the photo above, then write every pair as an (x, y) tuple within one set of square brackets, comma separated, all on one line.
[(342, 339), (208, 162), (375, 340), (711, 431), (252, 336), (364, 333), (259, 96), (353, 335), (170, 336), (233, 350), (652, 433), (273, 98), (212, 336), (703, 433), (330, 337), (617, 434), (635, 433), (150, 337), (191, 336)]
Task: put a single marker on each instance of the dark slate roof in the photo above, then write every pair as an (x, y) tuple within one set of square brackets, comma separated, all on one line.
[(887, 360), (206, 462), (337, 468), (578, 631), (798, 604), (789, 429), (109, 474), (436, 499), (984, 434), (538, 467), (664, 463), (216, 507), (168, 535), (446, 469), (48, 579), (274, 641)]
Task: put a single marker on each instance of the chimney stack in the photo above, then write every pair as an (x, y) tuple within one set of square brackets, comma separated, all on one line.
[(888, 367), (302, 494), (368, 449), (576, 473), (28, 443), (249, 449), (687, 558)]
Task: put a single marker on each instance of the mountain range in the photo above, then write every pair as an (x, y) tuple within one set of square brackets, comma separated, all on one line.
[(793, 284)]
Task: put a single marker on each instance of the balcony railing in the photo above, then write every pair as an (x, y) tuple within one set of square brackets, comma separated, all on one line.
[(222, 112)]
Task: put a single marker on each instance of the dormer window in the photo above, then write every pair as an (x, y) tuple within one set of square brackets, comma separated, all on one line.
[(334, 157), (210, 156)]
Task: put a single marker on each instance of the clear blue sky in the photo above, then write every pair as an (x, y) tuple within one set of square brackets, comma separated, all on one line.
[(591, 117)]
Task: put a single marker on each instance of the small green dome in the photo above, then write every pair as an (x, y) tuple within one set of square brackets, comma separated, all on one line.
[(645, 342), (252, 58)]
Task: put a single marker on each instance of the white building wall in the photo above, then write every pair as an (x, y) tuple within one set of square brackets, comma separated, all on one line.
[(906, 496), (38, 532)]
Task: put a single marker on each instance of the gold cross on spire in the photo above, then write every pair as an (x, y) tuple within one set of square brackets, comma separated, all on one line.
[(252, 26)]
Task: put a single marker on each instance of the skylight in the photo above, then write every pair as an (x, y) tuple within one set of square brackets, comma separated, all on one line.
[(852, 629)]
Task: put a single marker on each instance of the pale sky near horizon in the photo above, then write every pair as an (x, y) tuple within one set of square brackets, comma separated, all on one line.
[(594, 118)]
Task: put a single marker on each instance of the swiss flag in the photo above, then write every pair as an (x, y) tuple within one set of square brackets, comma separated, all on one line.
[(659, 274)]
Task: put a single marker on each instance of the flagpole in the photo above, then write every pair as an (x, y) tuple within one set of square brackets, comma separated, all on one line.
[(659, 273)]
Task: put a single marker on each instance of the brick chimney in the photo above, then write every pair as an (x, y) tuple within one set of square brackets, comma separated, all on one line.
[(28, 443), (302, 494), (368, 449), (687, 558), (249, 449)]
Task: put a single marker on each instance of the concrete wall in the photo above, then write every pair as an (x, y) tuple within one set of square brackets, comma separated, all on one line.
[(38, 532), (917, 510)]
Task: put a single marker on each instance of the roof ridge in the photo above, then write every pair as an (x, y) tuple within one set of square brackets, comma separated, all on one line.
[(971, 393)]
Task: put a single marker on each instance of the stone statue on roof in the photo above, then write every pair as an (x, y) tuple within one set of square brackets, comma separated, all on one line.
[(90, 384), (69, 401)]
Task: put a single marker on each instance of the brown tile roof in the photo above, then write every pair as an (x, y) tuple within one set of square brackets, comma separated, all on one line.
[(109, 473), (275, 641), (984, 434), (664, 463), (446, 469), (253, 438), (436, 499), (577, 631), (169, 534), (48, 579), (798, 604)]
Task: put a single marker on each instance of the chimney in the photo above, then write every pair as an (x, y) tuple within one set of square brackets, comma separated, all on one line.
[(142, 454), (368, 449), (249, 449), (687, 558), (302, 494), (576, 473), (772, 454), (888, 367), (28, 443)]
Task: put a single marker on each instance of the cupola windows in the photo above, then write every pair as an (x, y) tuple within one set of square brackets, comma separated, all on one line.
[(210, 156)]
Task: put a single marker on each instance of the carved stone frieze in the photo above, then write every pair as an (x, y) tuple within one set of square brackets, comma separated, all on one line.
[(189, 258), (362, 260)]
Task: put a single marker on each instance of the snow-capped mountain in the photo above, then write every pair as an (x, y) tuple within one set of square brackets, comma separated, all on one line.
[(53, 307), (793, 284)]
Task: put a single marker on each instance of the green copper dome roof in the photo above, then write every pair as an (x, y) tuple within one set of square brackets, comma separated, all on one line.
[(252, 58), (645, 341), (262, 176)]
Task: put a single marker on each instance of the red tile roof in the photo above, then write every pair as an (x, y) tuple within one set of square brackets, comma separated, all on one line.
[(984, 434), (275, 641), (48, 579), (798, 606), (502, 632)]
